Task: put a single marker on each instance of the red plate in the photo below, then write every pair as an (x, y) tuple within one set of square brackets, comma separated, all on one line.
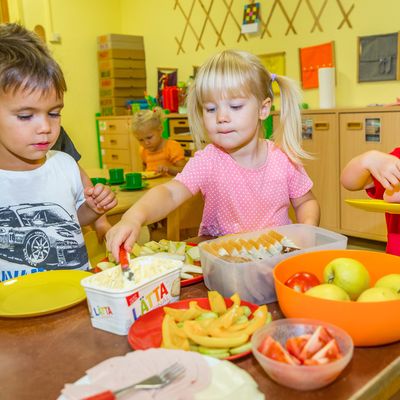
[(191, 281), (145, 333)]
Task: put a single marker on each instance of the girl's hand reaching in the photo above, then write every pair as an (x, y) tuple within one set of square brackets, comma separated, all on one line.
[(100, 198), (122, 233)]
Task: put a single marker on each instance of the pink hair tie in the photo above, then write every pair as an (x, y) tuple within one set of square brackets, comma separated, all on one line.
[(273, 76)]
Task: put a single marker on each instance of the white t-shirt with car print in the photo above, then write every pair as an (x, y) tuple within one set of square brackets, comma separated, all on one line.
[(39, 227)]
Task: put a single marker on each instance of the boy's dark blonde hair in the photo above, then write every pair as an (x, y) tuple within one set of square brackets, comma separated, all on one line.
[(232, 73), (145, 120), (26, 63)]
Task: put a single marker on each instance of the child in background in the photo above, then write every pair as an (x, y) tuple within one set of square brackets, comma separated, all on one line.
[(158, 154), (248, 182), (42, 197), (379, 174)]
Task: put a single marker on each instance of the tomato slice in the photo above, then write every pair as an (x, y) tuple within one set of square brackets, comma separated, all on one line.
[(314, 344), (330, 352), (295, 345), (274, 350)]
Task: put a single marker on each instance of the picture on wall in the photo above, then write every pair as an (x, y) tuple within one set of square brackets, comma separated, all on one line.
[(251, 18), (275, 63), (311, 59), (378, 58)]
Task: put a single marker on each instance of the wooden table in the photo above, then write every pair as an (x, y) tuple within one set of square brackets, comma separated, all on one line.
[(39, 355), (186, 217)]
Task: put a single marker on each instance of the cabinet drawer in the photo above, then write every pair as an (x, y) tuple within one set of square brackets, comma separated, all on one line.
[(114, 126), (179, 126), (117, 141), (116, 156)]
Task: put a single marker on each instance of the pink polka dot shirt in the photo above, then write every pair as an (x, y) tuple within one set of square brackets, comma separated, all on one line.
[(239, 199)]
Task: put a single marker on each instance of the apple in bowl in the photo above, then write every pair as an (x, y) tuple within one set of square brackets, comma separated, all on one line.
[(369, 323)]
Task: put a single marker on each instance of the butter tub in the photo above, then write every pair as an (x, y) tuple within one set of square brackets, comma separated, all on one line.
[(253, 280), (115, 304)]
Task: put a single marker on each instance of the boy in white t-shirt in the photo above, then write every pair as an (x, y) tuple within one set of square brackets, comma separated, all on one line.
[(43, 203)]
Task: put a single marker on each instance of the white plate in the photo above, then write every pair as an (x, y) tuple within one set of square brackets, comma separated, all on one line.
[(235, 383)]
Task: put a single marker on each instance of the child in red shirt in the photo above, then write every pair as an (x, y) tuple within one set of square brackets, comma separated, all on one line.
[(158, 154), (379, 174)]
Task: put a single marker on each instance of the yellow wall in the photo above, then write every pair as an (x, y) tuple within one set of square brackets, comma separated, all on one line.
[(80, 21)]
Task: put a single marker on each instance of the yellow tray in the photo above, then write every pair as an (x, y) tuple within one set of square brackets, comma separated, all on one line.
[(375, 205), (41, 293)]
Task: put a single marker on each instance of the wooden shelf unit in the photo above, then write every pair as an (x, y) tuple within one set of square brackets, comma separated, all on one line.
[(119, 147)]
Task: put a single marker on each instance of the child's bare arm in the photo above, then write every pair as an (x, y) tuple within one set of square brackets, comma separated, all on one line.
[(358, 173), (155, 205), (307, 209)]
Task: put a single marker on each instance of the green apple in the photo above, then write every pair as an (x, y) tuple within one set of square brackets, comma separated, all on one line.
[(391, 281), (378, 294), (349, 274), (329, 292)]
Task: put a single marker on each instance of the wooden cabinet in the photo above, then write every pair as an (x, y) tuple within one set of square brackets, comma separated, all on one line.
[(321, 140), (334, 137), (119, 147), (360, 132), (179, 131)]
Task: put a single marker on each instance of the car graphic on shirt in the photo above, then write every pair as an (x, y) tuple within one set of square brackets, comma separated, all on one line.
[(41, 235)]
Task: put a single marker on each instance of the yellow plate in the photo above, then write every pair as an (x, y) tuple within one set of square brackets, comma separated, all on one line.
[(41, 293), (375, 205)]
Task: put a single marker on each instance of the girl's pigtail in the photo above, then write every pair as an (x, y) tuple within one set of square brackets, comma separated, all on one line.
[(289, 134)]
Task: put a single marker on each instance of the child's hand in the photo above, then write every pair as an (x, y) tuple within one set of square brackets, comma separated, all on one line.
[(385, 168), (122, 233), (100, 198)]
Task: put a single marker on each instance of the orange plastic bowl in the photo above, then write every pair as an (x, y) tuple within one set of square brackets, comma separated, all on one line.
[(369, 324)]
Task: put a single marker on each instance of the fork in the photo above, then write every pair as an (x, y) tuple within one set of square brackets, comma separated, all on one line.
[(153, 382)]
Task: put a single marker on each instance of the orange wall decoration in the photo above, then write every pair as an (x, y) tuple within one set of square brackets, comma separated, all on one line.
[(312, 58)]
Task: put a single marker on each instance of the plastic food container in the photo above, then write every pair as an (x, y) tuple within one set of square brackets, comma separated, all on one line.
[(301, 377), (116, 309), (253, 280)]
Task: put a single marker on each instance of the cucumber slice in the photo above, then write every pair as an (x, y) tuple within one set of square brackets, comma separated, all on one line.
[(246, 311), (194, 253), (241, 320), (207, 315), (213, 352), (240, 349)]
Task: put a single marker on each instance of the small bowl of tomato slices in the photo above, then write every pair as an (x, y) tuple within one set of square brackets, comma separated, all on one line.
[(302, 354)]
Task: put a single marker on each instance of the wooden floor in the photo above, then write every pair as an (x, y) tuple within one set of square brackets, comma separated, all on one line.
[(365, 244)]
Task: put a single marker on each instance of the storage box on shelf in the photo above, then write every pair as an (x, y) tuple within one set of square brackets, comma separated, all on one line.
[(119, 147), (122, 72)]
